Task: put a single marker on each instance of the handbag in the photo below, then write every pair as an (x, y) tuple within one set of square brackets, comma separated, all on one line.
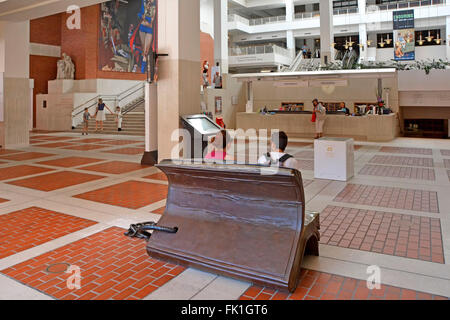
[(313, 118)]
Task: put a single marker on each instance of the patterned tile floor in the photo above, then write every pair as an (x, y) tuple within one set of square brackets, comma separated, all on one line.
[(324, 286), (389, 197), (30, 227), (383, 232), (130, 194), (400, 224), (398, 172), (111, 267)]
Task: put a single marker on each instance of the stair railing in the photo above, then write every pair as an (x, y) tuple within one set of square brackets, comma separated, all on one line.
[(123, 100)]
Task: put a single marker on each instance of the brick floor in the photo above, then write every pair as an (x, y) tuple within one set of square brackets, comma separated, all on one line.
[(130, 151), (130, 194), (300, 144), (9, 151), (382, 232), (424, 151), (70, 162), (112, 266), (447, 163), (157, 176), (55, 181), (398, 172), (121, 142), (85, 147), (307, 182), (20, 171), (390, 197), (56, 145), (52, 138), (445, 152), (324, 286), (27, 228), (26, 156), (403, 161), (3, 200), (115, 167)]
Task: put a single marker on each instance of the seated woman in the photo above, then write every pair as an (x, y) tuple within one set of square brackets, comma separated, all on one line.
[(220, 143)]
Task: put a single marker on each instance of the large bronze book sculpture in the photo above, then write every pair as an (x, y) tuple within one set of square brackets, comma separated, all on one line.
[(236, 220)]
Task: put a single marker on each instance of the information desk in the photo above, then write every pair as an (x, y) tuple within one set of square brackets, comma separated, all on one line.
[(365, 128)]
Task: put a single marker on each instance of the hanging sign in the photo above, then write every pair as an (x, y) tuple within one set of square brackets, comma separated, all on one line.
[(404, 39)]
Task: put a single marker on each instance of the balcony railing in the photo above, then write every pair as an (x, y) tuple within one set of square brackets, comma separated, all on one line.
[(259, 49), (306, 15), (266, 20), (345, 11), (409, 4), (238, 18)]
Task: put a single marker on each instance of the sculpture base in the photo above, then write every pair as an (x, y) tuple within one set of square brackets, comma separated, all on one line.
[(150, 158)]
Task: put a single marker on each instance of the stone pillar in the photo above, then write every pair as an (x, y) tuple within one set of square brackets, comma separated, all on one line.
[(221, 34), (15, 85), (363, 41), (447, 36), (150, 156), (326, 31), (290, 9), (178, 79), (362, 6), (290, 42)]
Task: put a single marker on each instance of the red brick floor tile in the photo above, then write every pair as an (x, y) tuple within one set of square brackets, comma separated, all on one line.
[(424, 151), (20, 171), (335, 289), (9, 151), (106, 246), (129, 151), (3, 200), (398, 172), (70, 162), (403, 161), (55, 145), (55, 181), (332, 220), (121, 142), (130, 194), (27, 228), (26, 156), (115, 167), (51, 138), (85, 147), (389, 197), (157, 176)]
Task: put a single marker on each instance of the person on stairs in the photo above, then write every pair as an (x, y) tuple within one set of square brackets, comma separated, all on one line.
[(100, 114), (119, 117)]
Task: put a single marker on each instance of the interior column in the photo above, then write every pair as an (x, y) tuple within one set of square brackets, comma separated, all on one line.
[(15, 85), (326, 31), (447, 34), (178, 73), (221, 34)]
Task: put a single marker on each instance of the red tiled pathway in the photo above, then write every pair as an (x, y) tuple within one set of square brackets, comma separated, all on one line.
[(112, 266), (128, 151), (403, 161), (70, 162), (55, 181), (115, 167), (389, 197), (157, 176), (315, 285), (27, 228), (26, 156), (20, 171), (398, 172), (130, 194), (382, 232)]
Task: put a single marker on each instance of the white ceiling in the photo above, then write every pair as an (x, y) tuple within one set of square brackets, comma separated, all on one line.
[(21, 10)]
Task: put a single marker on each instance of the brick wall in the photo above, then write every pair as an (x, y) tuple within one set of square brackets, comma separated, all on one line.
[(46, 30)]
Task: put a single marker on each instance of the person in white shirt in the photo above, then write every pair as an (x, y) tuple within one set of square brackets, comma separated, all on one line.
[(321, 115), (119, 117), (277, 156)]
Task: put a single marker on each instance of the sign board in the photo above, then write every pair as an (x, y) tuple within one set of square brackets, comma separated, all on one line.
[(404, 37)]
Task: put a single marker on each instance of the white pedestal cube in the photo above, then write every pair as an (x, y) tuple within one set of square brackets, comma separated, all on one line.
[(334, 158)]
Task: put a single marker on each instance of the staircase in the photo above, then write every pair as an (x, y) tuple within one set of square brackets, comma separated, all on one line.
[(133, 123)]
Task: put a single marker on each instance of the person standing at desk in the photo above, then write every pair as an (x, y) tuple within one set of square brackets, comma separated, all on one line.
[(321, 114)]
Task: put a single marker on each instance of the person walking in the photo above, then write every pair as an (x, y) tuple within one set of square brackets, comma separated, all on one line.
[(100, 114), (321, 114)]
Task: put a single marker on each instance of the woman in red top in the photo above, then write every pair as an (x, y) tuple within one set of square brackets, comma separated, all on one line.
[(220, 142)]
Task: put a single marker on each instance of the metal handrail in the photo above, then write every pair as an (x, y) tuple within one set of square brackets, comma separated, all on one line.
[(409, 4), (258, 49)]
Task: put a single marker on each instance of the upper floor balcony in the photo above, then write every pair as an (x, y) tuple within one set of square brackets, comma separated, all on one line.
[(267, 55)]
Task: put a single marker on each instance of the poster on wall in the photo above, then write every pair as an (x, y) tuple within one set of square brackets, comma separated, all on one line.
[(404, 38), (218, 105), (128, 35)]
